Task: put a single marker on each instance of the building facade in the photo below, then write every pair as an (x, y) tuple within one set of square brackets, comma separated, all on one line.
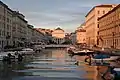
[(91, 23), (44, 31), (30, 31), (19, 30), (73, 38), (15, 31), (109, 29), (47, 35), (38, 37), (58, 36), (80, 36), (5, 26)]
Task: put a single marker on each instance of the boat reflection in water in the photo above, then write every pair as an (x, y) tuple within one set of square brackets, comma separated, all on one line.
[(52, 64)]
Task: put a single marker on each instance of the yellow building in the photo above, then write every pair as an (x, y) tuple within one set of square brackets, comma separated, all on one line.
[(109, 29), (58, 36), (91, 22), (80, 36)]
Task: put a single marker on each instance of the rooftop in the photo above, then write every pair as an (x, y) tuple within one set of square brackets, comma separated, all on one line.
[(102, 5), (3, 4), (59, 29), (118, 6), (81, 30)]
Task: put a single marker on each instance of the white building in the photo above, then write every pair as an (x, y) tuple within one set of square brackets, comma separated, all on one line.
[(58, 36)]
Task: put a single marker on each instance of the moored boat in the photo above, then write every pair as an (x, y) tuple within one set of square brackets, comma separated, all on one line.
[(83, 52), (10, 56), (27, 51), (104, 57)]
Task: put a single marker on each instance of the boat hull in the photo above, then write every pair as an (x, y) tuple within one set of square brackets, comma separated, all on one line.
[(112, 58)]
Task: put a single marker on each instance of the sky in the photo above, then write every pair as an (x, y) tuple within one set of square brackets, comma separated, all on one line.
[(49, 14)]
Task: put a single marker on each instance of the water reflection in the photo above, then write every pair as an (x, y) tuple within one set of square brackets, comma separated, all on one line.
[(52, 64)]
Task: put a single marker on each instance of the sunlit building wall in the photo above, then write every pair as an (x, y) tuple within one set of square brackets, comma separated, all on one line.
[(109, 29), (44, 31), (81, 35), (91, 22)]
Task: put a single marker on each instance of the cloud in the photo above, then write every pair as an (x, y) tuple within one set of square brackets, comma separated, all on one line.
[(69, 14)]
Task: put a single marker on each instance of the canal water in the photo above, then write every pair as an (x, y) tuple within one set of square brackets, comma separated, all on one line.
[(50, 64)]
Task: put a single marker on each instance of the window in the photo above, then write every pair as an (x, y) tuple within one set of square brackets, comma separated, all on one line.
[(8, 20), (98, 25), (103, 12), (98, 12), (98, 32)]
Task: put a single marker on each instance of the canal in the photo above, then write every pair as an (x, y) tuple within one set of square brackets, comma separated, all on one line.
[(50, 64)]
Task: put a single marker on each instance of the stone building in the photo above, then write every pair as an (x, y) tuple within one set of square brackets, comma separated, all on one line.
[(5, 26), (15, 31), (30, 32), (38, 37), (73, 38), (91, 23), (19, 30), (58, 36), (109, 29), (44, 31), (47, 35)]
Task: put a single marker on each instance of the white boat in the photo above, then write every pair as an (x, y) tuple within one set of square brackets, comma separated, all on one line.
[(83, 51), (27, 51), (5, 54), (117, 69)]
